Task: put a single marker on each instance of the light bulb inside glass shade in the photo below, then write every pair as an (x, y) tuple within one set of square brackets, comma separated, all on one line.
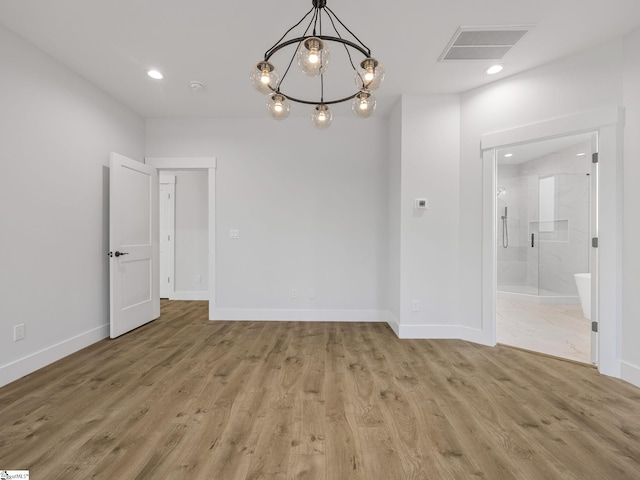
[(264, 77), (363, 104), (370, 74), (278, 106), (321, 117), (313, 56)]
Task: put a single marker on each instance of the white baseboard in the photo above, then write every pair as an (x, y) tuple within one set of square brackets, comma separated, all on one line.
[(440, 332), (630, 373), (476, 335), (393, 323), (29, 364), (300, 315), (204, 295)]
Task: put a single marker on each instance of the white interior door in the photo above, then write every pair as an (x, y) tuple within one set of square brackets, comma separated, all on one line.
[(133, 244)]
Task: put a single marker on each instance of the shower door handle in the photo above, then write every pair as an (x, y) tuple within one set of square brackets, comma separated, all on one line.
[(532, 240)]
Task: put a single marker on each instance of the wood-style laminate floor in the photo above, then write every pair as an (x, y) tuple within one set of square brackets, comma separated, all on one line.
[(186, 398)]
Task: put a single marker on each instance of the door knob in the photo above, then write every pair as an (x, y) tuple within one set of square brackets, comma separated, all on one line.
[(119, 254)]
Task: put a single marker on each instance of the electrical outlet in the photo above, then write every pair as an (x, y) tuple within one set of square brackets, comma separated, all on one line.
[(313, 293), (198, 279), (234, 233), (18, 332), (294, 293), (415, 305)]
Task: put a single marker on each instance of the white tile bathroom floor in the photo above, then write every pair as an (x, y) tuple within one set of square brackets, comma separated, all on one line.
[(558, 330)]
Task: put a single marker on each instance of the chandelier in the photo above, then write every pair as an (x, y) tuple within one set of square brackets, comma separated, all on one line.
[(312, 54)]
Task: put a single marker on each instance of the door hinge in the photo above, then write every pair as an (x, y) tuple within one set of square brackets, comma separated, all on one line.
[(594, 242), (594, 327), (594, 157)]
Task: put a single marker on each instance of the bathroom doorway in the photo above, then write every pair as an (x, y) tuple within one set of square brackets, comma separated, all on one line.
[(546, 202)]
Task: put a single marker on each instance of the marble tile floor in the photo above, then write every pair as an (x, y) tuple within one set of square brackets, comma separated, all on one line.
[(558, 330)]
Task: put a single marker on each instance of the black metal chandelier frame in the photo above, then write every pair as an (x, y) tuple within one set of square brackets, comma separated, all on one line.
[(319, 6)]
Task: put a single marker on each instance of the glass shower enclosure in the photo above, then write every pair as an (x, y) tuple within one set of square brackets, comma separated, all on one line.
[(543, 201)]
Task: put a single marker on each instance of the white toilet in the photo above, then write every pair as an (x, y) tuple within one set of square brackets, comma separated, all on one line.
[(583, 282)]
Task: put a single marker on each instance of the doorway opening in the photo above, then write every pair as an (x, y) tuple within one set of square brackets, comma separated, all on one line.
[(207, 165), (545, 199), (184, 235), (606, 247), (167, 235)]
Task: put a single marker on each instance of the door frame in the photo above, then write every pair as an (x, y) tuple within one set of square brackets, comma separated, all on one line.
[(208, 164), (608, 122)]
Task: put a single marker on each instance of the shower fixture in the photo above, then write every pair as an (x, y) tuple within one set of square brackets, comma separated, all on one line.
[(505, 231)]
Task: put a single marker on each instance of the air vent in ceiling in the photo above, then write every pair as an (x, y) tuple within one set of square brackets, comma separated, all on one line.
[(483, 43)]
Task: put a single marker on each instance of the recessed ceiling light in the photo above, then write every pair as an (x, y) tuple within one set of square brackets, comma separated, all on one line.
[(581, 154), (494, 69), (155, 74), (508, 155)]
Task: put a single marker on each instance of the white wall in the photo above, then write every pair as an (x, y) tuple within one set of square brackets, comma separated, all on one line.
[(429, 238), (191, 237), (310, 207), (56, 132), (394, 221), (574, 84), (631, 225)]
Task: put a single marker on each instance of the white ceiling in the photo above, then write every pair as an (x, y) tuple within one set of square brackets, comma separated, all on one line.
[(112, 43)]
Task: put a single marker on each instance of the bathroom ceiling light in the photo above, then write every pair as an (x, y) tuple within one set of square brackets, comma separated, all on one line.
[(492, 70), (155, 74), (581, 154), (508, 155), (311, 48)]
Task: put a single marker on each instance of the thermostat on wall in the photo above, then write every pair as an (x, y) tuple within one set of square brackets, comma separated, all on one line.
[(421, 203)]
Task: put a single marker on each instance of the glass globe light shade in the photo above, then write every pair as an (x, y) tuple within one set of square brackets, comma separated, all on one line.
[(363, 104), (264, 78), (321, 117), (278, 106), (370, 74), (313, 56)]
